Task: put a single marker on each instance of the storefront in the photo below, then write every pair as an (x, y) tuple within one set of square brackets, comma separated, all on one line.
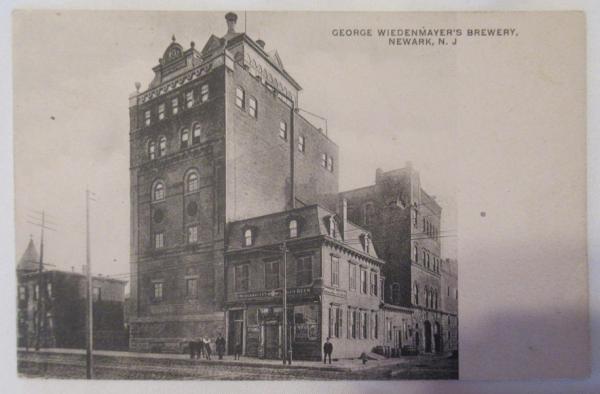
[(258, 325)]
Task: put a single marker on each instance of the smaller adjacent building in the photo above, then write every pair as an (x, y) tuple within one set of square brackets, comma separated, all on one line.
[(58, 299), (334, 284)]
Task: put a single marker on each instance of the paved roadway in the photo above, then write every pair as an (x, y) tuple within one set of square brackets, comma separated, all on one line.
[(73, 366)]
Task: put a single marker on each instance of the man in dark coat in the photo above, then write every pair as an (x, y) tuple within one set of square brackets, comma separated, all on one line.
[(192, 345), (327, 350), (220, 343), (199, 348)]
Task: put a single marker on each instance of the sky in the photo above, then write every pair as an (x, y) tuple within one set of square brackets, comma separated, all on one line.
[(74, 71)]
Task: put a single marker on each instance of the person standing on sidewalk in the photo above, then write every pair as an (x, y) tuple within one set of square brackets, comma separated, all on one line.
[(237, 348), (207, 348), (199, 347), (192, 345), (220, 343), (327, 349)]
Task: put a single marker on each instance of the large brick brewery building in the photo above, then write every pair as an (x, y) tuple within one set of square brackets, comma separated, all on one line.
[(225, 171)]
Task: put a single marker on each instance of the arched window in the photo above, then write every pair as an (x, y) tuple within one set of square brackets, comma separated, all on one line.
[(162, 146), (293, 228), (185, 138), (158, 192), (248, 239), (196, 133), (192, 183), (152, 150)]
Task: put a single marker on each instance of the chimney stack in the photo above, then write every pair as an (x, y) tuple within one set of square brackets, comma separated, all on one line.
[(231, 19), (261, 43), (343, 213)]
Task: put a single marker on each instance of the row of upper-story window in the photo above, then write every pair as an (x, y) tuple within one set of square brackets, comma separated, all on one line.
[(426, 226), (272, 274), (360, 323), (158, 289), (175, 106), (191, 182), (430, 298), (428, 259), (252, 109), (158, 148), (24, 293)]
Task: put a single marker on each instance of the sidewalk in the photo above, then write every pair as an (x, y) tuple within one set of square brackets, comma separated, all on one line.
[(347, 365)]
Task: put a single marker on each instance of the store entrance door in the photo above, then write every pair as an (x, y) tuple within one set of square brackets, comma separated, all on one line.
[(272, 341)]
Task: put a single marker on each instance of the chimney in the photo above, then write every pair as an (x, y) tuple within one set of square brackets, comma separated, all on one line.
[(343, 213), (261, 43), (231, 19)]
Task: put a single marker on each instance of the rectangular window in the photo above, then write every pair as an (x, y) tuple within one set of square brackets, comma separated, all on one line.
[(352, 281), (381, 289), (354, 323), (301, 143), (304, 271), (189, 99), (191, 287), (240, 97), (335, 271), (192, 234), (22, 293), (159, 240), (36, 292), (283, 130), (158, 291), (389, 330), (324, 160), (96, 294), (252, 107), (204, 93), (175, 105), (49, 289), (376, 326), (375, 284), (330, 163), (338, 323), (242, 277), (161, 111), (371, 283), (272, 275), (330, 322), (363, 281), (147, 117)]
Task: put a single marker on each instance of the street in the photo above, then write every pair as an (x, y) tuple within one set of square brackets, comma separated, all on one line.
[(31, 364)]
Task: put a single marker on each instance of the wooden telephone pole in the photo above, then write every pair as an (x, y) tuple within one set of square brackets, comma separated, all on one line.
[(90, 301)]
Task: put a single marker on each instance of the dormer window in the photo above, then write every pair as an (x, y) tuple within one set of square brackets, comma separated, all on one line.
[(293, 226), (332, 227), (248, 237)]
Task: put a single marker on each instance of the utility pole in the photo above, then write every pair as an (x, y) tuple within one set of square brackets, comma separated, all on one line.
[(40, 292), (90, 301), (285, 325)]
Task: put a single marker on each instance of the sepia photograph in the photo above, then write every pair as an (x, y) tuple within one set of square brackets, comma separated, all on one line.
[(285, 195)]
